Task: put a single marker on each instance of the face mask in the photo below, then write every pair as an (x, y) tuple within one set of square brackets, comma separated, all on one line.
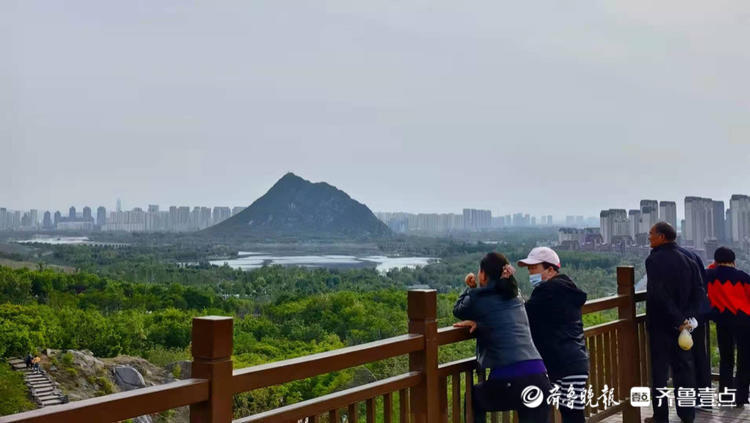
[(535, 279)]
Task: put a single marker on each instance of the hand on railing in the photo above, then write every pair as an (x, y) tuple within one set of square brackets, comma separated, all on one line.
[(472, 325)]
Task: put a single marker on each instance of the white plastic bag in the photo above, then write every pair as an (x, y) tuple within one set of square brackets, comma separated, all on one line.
[(685, 340)]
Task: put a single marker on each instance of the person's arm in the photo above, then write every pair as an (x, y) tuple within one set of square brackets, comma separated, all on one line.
[(659, 293), (542, 303), (464, 308)]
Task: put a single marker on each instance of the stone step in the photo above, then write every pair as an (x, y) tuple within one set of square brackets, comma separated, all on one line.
[(37, 381), (55, 401), (49, 397), (39, 394), (40, 385), (16, 361), (41, 389)]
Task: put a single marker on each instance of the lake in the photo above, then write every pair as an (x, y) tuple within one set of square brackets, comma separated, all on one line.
[(255, 260)]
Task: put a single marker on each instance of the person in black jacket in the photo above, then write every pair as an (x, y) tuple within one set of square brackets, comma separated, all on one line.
[(672, 303), (493, 310), (554, 311), (729, 293)]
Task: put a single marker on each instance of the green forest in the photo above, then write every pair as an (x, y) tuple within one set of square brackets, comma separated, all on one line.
[(122, 301)]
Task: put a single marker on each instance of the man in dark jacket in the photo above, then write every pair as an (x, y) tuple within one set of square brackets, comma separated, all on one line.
[(672, 302), (729, 293), (554, 311)]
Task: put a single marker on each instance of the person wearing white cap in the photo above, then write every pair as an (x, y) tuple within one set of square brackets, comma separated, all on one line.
[(556, 323)]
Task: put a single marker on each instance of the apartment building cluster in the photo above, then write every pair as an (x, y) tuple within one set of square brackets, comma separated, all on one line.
[(175, 219)]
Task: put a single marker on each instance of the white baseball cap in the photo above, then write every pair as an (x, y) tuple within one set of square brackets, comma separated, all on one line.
[(540, 255)]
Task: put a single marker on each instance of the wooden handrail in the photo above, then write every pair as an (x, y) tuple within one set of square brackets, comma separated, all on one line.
[(335, 400), (451, 335), (279, 372), (119, 406), (606, 303)]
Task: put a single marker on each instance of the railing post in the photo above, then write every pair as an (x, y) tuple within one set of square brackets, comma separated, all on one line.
[(422, 312), (628, 343), (212, 360)]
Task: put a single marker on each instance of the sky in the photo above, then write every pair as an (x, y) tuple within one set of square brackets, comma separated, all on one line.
[(547, 107)]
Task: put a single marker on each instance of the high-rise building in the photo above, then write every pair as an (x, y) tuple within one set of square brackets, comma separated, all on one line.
[(58, 217), (634, 223), (87, 213), (614, 226), (221, 214), (237, 209), (72, 212), (101, 216), (699, 222), (668, 212), (719, 222), (649, 214), (475, 220), (118, 208), (739, 206), (47, 221)]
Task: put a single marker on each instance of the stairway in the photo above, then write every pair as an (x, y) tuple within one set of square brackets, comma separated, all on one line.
[(43, 390)]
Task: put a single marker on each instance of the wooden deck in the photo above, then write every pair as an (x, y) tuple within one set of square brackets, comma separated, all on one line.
[(720, 415)]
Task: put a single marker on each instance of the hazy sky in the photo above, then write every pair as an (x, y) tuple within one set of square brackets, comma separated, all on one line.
[(549, 107)]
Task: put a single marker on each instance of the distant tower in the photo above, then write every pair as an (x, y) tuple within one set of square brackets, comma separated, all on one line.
[(72, 212), (47, 222), (119, 206), (101, 216), (58, 217), (87, 213)]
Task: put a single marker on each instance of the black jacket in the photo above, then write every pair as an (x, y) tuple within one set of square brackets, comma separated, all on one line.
[(705, 305), (554, 311), (503, 336), (674, 288)]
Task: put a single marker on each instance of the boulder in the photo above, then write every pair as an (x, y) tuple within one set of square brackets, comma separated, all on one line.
[(127, 378)]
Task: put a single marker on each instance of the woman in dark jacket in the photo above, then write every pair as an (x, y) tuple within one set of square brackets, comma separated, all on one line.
[(518, 379)]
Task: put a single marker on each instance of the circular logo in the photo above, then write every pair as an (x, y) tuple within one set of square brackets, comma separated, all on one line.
[(532, 396)]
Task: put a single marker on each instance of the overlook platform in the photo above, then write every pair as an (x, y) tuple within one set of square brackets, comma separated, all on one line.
[(429, 392)]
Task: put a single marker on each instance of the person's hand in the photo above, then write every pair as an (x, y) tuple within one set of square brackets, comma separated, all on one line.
[(508, 271), (472, 325), (471, 280)]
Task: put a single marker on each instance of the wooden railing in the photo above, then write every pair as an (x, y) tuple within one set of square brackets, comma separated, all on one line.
[(429, 392)]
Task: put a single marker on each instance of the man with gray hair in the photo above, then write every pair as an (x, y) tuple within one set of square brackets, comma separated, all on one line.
[(672, 302)]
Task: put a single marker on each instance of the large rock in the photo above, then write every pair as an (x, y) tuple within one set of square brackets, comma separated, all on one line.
[(127, 378)]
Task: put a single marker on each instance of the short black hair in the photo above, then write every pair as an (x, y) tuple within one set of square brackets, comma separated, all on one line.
[(492, 265), (546, 266), (666, 229), (724, 255)]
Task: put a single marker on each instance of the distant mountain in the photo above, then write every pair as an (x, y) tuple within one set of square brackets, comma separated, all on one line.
[(297, 208)]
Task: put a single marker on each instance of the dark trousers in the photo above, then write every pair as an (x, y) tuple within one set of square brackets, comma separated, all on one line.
[(725, 337), (700, 356), (666, 354), (728, 336), (505, 395)]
